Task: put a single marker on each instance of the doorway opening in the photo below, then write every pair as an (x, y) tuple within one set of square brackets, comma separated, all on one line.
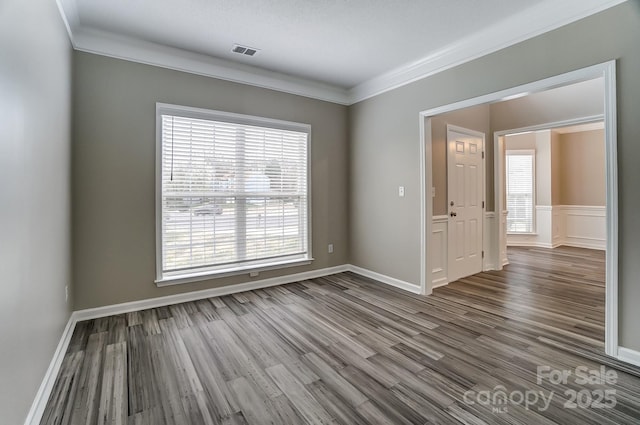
[(492, 235)]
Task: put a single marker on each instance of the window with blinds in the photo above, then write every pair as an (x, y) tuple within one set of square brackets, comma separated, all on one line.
[(520, 170), (233, 192)]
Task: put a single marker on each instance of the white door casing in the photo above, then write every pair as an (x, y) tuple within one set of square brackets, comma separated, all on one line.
[(465, 187), (607, 70)]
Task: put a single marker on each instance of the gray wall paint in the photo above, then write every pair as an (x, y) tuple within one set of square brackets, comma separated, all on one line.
[(35, 111), (385, 143), (114, 172)]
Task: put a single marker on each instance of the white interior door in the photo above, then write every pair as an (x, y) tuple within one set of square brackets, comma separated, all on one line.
[(465, 177)]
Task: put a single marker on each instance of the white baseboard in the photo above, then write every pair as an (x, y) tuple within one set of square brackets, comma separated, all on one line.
[(489, 267), (581, 226), (42, 396), (531, 244), (39, 404), (439, 283), (600, 245), (109, 310), (629, 356), (385, 279)]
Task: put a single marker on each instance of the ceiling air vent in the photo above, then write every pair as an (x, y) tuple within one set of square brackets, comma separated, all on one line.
[(244, 50)]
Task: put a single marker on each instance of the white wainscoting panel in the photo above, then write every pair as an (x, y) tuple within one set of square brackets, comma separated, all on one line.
[(585, 226), (558, 223), (491, 256), (543, 230), (439, 242), (504, 259), (582, 226)]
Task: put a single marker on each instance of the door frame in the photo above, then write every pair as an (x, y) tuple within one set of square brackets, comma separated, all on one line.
[(607, 70), (499, 165), (480, 135)]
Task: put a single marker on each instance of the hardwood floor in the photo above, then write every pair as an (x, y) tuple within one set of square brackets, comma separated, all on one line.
[(347, 350)]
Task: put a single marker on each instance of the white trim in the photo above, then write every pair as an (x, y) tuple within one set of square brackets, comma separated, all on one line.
[(534, 21), (590, 234), (134, 50), (527, 24), (44, 392), (503, 259), (601, 210), (611, 158), (93, 313), (488, 245), (42, 396), (531, 243), (392, 281), (199, 277), (606, 70), (69, 14), (556, 124), (426, 205), (441, 218), (439, 272), (215, 271), (629, 356)]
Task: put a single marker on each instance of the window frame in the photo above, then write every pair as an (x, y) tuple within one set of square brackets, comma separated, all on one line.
[(256, 266), (532, 154)]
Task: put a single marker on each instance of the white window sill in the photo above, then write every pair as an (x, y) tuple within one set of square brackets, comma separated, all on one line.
[(231, 271), (521, 234)]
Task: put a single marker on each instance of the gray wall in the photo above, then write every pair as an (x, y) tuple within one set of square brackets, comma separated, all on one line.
[(385, 143), (35, 73), (114, 172)]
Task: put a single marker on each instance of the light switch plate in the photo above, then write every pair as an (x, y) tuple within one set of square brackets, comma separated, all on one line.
[(401, 191)]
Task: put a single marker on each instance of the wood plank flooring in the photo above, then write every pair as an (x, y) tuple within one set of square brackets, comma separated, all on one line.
[(347, 350)]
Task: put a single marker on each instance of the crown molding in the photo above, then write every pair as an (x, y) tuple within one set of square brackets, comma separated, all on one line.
[(527, 24), (135, 50), (531, 22)]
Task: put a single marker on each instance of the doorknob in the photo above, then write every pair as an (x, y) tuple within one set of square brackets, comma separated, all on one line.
[(452, 214)]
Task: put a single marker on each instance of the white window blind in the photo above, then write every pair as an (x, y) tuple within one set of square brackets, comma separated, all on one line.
[(233, 192), (520, 170)]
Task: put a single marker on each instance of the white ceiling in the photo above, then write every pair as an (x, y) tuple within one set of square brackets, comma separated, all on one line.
[(350, 48)]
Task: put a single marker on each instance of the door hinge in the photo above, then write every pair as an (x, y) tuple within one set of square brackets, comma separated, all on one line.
[(482, 154), (482, 204), (482, 254)]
